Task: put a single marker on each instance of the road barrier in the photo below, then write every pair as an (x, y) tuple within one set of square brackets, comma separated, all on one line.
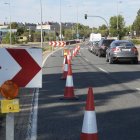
[(65, 69), (89, 128), (69, 88)]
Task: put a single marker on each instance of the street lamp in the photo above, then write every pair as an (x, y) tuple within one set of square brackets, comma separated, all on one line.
[(77, 25), (118, 2), (60, 24), (10, 20), (41, 23)]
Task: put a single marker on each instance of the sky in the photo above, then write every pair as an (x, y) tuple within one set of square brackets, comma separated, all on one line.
[(29, 11)]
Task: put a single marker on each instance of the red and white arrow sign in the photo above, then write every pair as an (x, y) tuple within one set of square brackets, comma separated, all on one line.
[(23, 66)]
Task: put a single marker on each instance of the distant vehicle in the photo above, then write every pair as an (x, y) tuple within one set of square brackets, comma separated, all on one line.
[(22, 39), (95, 37), (100, 50), (122, 50)]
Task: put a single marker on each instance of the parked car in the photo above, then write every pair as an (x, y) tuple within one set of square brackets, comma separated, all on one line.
[(100, 50), (122, 50), (90, 45), (94, 45)]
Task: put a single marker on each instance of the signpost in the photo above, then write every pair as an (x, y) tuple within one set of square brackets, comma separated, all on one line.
[(21, 67)]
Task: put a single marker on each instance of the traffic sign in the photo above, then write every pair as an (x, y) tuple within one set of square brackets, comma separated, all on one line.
[(8, 106), (22, 66)]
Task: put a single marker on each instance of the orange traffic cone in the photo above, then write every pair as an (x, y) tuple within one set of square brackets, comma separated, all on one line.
[(89, 129), (64, 60), (65, 69), (69, 89), (69, 57)]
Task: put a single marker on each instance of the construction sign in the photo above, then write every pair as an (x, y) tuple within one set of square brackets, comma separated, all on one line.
[(22, 66), (57, 43)]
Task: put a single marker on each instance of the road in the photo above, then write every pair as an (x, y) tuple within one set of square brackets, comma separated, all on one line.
[(116, 91)]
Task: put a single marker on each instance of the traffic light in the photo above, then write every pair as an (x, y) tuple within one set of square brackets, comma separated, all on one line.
[(85, 16)]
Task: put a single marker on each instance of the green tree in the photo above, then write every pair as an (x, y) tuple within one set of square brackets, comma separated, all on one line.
[(121, 26), (103, 30), (136, 23), (6, 39)]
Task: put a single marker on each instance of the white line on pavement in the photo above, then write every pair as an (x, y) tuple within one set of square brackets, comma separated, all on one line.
[(103, 70), (86, 59), (137, 88), (35, 109)]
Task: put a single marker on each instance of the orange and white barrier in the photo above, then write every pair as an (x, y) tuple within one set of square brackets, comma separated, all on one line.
[(69, 57), (89, 128), (65, 69), (57, 43), (69, 88)]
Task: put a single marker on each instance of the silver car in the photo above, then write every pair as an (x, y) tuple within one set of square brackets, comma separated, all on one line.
[(122, 50)]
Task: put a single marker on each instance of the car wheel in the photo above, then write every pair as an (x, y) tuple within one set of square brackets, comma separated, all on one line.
[(136, 61), (110, 60), (99, 53)]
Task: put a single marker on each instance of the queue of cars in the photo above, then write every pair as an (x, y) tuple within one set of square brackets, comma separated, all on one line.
[(114, 50)]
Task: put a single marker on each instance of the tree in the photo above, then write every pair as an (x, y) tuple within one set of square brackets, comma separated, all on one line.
[(121, 26), (14, 25), (136, 23), (103, 30), (6, 39)]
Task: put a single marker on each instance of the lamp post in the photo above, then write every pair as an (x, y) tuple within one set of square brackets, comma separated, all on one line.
[(10, 20), (118, 2), (77, 25), (41, 23), (60, 24), (100, 18)]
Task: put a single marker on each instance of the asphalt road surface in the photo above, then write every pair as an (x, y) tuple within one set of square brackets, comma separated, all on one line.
[(116, 90)]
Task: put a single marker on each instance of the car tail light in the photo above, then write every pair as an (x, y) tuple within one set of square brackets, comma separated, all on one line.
[(134, 50), (116, 49)]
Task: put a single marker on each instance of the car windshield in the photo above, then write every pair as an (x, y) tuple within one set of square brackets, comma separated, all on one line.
[(124, 44), (107, 42)]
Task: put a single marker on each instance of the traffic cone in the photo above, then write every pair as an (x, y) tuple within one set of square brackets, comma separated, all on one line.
[(69, 89), (89, 128), (64, 60), (65, 71), (69, 57)]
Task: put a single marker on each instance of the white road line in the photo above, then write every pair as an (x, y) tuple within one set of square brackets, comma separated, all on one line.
[(103, 70), (34, 122), (86, 59), (33, 135), (137, 88)]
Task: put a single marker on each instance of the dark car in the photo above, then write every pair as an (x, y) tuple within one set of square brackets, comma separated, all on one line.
[(122, 50), (102, 47)]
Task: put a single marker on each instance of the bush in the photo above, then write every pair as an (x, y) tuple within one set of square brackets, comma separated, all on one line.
[(135, 41)]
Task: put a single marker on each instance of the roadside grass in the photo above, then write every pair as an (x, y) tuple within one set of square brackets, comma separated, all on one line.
[(47, 48)]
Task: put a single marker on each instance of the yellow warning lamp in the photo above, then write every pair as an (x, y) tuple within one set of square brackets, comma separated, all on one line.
[(9, 90)]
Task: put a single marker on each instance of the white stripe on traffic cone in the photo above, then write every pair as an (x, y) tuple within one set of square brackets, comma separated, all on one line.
[(89, 128)]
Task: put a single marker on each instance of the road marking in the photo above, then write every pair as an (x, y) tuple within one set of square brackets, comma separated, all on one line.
[(86, 59), (103, 70), (137, 88), (34, 113), (34, 122)]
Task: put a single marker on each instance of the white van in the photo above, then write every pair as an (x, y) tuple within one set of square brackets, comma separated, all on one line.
[(95, 37)]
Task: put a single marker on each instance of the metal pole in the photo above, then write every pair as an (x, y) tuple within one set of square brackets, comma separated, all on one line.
[(60, 23), (77, 25), (41, 24), (103, 19), (10, 126), (10, 23), (117, 20), (10, 38)]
